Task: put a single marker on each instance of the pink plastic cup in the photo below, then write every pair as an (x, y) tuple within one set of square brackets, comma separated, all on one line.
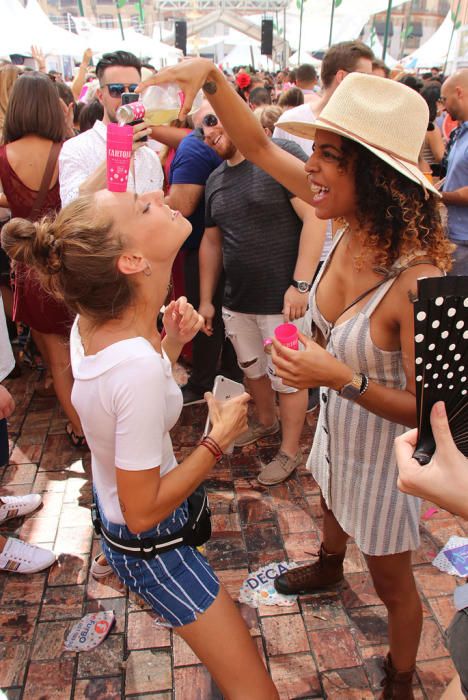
[(287, 335), (119, 153)]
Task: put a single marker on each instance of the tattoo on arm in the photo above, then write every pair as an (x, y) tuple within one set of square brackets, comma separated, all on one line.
[(210, 87)]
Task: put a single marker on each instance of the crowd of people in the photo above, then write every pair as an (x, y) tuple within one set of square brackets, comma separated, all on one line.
[(281, 199)]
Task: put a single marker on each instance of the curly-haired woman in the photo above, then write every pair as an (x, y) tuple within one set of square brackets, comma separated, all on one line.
[(364, 171)]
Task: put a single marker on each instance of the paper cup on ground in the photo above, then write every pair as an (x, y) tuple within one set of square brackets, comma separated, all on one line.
[(119, 153), (287, 335)]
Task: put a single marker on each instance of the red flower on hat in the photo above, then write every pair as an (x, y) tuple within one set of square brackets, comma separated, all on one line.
[(243, 80)]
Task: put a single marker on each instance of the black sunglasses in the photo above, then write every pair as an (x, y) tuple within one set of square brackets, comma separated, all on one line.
[(117, 89), (210, 120)]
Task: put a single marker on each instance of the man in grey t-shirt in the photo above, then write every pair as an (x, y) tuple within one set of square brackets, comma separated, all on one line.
[(269, 243)]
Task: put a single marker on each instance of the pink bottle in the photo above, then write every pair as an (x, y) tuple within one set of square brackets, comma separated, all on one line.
[(287, 335), (119, 153)]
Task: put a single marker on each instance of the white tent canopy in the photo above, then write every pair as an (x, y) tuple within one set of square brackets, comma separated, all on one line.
[(241, 55), (15, 32), (305, 58), (103, 40), (50, 38), (376, 45), (349, 19), (434, 51)]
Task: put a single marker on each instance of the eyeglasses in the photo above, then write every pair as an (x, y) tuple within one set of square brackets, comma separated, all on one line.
[(117, 89), (442, 100)]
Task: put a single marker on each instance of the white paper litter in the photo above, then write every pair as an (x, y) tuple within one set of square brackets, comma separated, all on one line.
[(90, 631), (258, 588), (442, 562)]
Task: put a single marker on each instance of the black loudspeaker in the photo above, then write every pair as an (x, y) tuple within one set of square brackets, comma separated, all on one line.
[(181, 35), (267, 37)]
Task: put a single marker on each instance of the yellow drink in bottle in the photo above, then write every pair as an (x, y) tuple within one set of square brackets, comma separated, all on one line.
[(158, 117)]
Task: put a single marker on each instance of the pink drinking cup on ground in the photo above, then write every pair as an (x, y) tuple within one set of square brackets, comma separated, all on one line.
[(287, 335), (119, 153)]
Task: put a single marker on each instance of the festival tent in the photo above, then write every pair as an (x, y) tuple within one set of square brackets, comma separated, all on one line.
[(52, 39), (376, 45), (305, 58), (349, 19), (103, 40), (244, 55), (434, 51), (15, 32)]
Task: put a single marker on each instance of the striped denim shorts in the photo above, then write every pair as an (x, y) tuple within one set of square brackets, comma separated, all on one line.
[(177, 584)]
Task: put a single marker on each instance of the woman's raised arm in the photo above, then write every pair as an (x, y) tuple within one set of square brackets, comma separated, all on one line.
[(238, 120)]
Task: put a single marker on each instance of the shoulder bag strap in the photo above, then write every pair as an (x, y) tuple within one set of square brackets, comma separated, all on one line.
[(46, 180)]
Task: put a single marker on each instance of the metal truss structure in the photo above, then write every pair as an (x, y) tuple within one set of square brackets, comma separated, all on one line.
[(266, 6)]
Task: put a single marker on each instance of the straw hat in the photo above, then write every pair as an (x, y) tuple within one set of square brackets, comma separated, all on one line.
[(386, 117)]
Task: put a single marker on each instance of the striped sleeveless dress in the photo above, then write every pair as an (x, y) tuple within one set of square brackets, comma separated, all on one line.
[(352, 456)]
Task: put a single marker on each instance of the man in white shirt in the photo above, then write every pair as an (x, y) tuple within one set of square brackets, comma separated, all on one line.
[(82, 163)]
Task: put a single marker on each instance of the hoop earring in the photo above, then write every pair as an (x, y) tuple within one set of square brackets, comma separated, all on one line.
[(147, 271)]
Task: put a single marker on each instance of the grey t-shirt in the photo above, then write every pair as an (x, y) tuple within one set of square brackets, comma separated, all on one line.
[(261, 233)]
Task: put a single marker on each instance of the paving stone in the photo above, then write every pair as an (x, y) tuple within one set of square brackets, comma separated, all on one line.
[(49, 679), (17, 623), (143, 632), (104, 660), (347, 684), (147, 672), (329, 644), (334, 648), (98, 689), (13, 660), (194, 683), (69, 569), (19, 590), (62, 602), (295, 676), (284, 634), (435, 675), (49, 640)]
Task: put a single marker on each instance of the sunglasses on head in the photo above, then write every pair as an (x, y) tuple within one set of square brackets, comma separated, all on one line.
[(117, 89)]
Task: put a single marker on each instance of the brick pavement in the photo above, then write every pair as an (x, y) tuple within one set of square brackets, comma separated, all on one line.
[(329, 645)]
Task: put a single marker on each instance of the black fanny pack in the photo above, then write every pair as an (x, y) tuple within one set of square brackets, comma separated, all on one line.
[(195, 532)]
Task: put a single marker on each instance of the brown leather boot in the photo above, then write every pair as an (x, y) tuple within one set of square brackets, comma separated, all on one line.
[(396, 686), (326, 572)]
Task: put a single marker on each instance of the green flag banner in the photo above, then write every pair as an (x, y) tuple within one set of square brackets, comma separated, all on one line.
[(121, 3)]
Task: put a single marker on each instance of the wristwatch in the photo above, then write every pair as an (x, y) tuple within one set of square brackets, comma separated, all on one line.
[(355, 388), (301, 286)]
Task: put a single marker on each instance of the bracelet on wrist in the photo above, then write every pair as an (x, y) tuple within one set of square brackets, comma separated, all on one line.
[(364, 384), (213, 447)]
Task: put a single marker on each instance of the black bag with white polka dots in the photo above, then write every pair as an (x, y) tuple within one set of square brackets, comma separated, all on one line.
[(441, 357)]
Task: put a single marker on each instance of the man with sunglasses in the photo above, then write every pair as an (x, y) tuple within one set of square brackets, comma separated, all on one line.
[(193, 163), (269, 244), (82, 160)]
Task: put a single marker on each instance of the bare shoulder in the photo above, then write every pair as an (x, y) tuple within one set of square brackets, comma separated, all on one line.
[(406, 286)]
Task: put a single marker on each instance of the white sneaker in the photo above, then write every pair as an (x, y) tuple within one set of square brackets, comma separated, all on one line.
[(17, 506), (98, 570), (23, 558)]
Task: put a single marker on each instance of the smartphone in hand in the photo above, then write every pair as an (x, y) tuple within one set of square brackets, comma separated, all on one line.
[(224, 389)]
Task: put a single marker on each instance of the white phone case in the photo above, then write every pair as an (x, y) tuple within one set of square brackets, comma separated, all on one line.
[(224, 389)]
